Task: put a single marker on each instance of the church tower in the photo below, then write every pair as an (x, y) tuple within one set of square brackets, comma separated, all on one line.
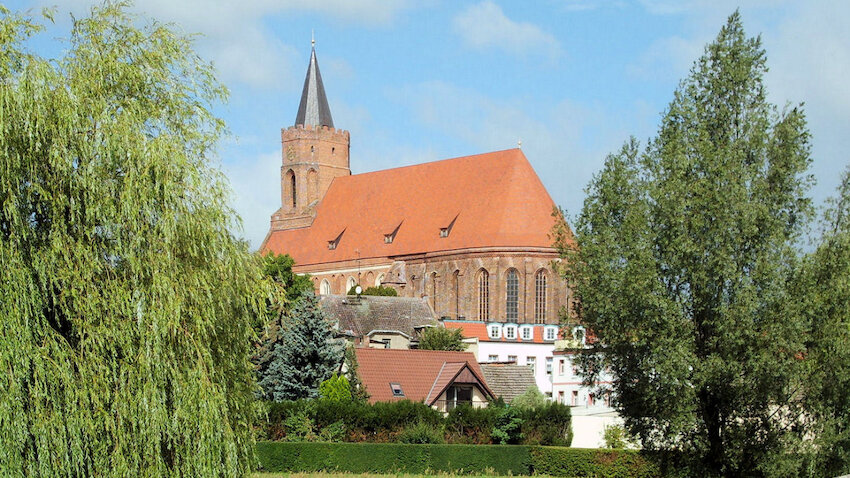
[(314, 153)]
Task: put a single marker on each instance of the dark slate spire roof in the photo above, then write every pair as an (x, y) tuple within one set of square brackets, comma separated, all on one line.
[(314, 109)]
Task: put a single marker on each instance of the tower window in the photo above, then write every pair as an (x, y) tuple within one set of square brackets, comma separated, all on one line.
[(292, 187), (312, 149), (512, 295), (333, 151)]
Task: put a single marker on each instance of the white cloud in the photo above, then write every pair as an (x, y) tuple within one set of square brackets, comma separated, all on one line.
[(485, 25)]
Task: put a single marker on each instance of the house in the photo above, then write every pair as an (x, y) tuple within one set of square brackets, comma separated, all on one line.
[(532, 345), (439, 379), (507, 379), (469, 234), (380, 322)]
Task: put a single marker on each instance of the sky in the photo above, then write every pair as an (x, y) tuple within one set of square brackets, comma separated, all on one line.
[(417, 81)]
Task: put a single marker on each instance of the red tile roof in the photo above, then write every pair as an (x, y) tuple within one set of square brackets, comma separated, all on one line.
[(495, 200), (422, 374)]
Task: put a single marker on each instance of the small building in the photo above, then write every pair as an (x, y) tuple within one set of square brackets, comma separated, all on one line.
[(439, 379), (507, 379), (532, 345), (379, 322)]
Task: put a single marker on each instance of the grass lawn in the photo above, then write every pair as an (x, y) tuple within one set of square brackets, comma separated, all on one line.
[(369, 475)]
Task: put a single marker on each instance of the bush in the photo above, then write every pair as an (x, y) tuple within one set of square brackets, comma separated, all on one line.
[(465, 424), (335, 388), (616, 436), (531, 398), (421, 433), (379, 291), (549, 424), (508, 427)]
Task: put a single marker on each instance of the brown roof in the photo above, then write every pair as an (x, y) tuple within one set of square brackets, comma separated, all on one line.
[(508, 380), (422, 374), (376, 313), (487, 200)]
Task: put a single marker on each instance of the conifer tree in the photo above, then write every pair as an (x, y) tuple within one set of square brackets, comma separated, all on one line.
[(125, 303), (306, 354), (681, 261)]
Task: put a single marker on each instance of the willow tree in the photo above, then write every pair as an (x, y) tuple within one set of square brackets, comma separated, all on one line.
[(684, 250), (126, 303)]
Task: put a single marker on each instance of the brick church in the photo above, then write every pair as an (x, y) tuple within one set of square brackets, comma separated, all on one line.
[(471, 233)]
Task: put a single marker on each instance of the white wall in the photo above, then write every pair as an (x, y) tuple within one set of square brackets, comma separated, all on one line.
[(522, 351)]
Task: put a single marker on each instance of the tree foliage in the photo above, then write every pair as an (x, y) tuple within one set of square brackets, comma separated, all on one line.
[(681, 261), (355, 384), (126, 303), (441, 338), (380, 290), (530, 399), (306, 354), (278, 267), (335, 388), (823, 288)]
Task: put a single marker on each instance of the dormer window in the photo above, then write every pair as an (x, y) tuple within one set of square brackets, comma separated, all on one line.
[(444, 232), (396, 388), (494, 331), (510, 332), (526, 333), (551, 333), (331, 245), (335, 242), (388, 238)]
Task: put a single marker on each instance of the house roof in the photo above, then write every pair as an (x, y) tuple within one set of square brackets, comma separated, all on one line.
[(422, 374), (314, 109), (474, 329), (375, 313), (508, 380), (487, 200)]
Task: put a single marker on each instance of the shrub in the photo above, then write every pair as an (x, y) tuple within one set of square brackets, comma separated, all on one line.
[(581, 462), (466, 424), (616, 436), (335, 388), (298, 427), (549, 424), (379, 291), (531, 398), (421, 433), (508, 427)]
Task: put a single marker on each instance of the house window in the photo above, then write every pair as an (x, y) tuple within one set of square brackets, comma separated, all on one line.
[(396, 388), (444, 232), (457, 395), (332, 245), (608, 399), (512, 358), (561, 397), (483, 295), (540, 297), (574, 398), (510, 332), (551, 333), (526, 333), (589, 399), (512, 295), (492, 358), (549, 365), (575, 369), (325, 288), (561, 368), (493, 331), (388, 238), (532, 362)]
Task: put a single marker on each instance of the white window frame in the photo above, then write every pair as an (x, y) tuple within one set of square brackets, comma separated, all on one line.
[(510, 332), (492, 358), (527, 333), (532, 361), (548, 365), (494, 331), (551, 334)]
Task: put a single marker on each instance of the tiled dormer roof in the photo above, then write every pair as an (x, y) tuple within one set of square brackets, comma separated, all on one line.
[(422, 374), (487, 200)]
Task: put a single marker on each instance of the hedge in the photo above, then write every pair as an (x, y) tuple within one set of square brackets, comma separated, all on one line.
[(392, 458), (459, 459)]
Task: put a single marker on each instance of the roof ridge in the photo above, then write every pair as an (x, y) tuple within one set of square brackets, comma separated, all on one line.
[(428, 397), (427, 163)]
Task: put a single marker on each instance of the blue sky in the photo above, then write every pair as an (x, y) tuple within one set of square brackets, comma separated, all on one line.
[(417, 81)]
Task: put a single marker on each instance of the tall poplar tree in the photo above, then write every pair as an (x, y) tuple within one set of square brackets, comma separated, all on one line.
[(681, 259), (125, 303)]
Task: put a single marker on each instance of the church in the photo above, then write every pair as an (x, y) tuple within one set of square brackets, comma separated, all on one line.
[(470, 234)]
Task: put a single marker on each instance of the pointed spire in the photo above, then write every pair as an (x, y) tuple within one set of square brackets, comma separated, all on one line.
[(314, 109)]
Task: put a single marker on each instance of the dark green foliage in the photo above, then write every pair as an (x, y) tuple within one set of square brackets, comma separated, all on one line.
[(278, 267), (823, 285), (683, 256), (466, 424), (508, 427), (306, 354), (358, 391), (421, 433), (549, 424), (616, 436), (389, 458), (379, 291), (582, 462), (126, 305), (441, 338), (456, 459), (335, 388)]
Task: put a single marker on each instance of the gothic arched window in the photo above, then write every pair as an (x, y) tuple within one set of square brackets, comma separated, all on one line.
[(325, 288), (512, 297), (292, 188), (483, 295), (540, 297)]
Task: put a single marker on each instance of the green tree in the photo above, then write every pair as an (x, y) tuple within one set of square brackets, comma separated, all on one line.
[(278, 267), (681, 259), (350, 365), (529, 399), (823, 290), (306, 354), (379, 291), (335, 388), (441, 338), (126, 303)]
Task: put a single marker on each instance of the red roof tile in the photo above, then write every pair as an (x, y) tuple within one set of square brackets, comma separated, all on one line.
[(496, 198), (479, 330), (422, 374)]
